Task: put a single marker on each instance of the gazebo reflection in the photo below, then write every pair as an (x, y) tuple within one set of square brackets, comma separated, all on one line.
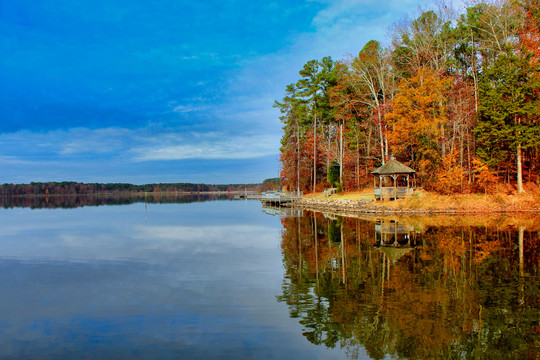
[(389, 232), (393, 238)]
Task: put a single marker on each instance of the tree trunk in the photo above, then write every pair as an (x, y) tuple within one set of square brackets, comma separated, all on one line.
[(297, 157), (328, 145), (475, 80), (469, 158), (341, 154), (357, 180), (316, 247), (521, 250), (519, 170), (381, 138), (315, 153)]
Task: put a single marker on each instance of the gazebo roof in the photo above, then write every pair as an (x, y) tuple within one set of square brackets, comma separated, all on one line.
[(393, 167), (394, 253)]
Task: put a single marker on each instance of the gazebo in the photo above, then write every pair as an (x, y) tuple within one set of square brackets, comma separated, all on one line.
[(393, 180)]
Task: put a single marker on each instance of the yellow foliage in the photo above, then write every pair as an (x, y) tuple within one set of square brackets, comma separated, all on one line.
[(418, 115), (450, 175), (484, 177)]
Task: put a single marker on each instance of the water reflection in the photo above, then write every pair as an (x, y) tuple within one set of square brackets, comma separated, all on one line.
[(74, 201), (194, 281), (282, 212), (415, 288)]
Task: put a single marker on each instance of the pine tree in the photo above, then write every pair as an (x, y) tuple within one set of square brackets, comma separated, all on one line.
[(509, 106)]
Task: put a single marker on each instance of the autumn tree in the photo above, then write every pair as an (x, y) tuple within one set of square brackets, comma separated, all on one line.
[(371, 77), (449, 175), (353, 128), (417, 120), (529, 33), (484, 177)]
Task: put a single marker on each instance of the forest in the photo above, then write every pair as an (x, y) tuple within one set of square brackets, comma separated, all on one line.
[(455, 96)]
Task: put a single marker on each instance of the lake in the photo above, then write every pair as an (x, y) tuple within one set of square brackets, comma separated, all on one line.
[(215, 278)]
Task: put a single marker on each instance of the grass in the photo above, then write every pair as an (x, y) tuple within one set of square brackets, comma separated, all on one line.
[(423, 200)]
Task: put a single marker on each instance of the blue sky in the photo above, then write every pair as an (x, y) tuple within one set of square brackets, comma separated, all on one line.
[(162, 91)]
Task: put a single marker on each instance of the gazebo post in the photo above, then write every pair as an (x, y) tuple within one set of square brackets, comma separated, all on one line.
[(381, 193), (395, 234), (394, 191), (380, 188)]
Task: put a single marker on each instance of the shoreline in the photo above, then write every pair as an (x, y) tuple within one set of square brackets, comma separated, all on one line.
[(422, 203)]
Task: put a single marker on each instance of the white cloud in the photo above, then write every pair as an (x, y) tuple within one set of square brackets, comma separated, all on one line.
[(208, 146), (142, 242), (96, 141), (14, 160), (185, 109), (140, 144), (65, 142), (172, 237)]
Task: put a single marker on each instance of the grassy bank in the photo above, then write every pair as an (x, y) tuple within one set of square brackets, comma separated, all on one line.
[(423, 201)]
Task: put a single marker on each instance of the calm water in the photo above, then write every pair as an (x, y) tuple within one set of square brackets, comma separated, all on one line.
[(220, 279)]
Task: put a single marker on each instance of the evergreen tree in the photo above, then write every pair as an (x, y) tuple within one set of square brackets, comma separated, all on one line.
[(509, 107)]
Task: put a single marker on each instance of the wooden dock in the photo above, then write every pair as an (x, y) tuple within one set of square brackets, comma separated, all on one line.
[(278, 198), (248, 195)]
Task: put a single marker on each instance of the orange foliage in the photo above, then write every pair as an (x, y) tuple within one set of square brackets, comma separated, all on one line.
[(484, 178), (529, 34), (450, 175), (417, 119)]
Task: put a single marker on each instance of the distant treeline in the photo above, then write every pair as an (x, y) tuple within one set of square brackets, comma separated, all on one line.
[(77, 188)]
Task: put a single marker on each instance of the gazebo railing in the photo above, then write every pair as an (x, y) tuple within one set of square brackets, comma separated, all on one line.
[(393, 192)]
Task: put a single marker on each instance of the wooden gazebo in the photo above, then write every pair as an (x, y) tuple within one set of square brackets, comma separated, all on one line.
[(393, 180)]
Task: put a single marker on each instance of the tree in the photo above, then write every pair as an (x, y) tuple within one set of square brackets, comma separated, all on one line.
[(304, 109), (317, 78), (417, 119), (333, 174), (449, 174), (427, 41), (494, 24), (509, 107), (483, 176), (293, 117), (371, 77), (529, 34)]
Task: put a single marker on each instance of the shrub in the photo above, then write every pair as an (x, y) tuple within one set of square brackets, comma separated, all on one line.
[(332, 174)]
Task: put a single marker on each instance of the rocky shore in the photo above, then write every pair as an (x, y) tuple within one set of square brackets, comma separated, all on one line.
[(344, 207), (400, 207)]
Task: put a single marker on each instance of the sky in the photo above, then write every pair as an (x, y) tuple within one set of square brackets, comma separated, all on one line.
[(163, 91)]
